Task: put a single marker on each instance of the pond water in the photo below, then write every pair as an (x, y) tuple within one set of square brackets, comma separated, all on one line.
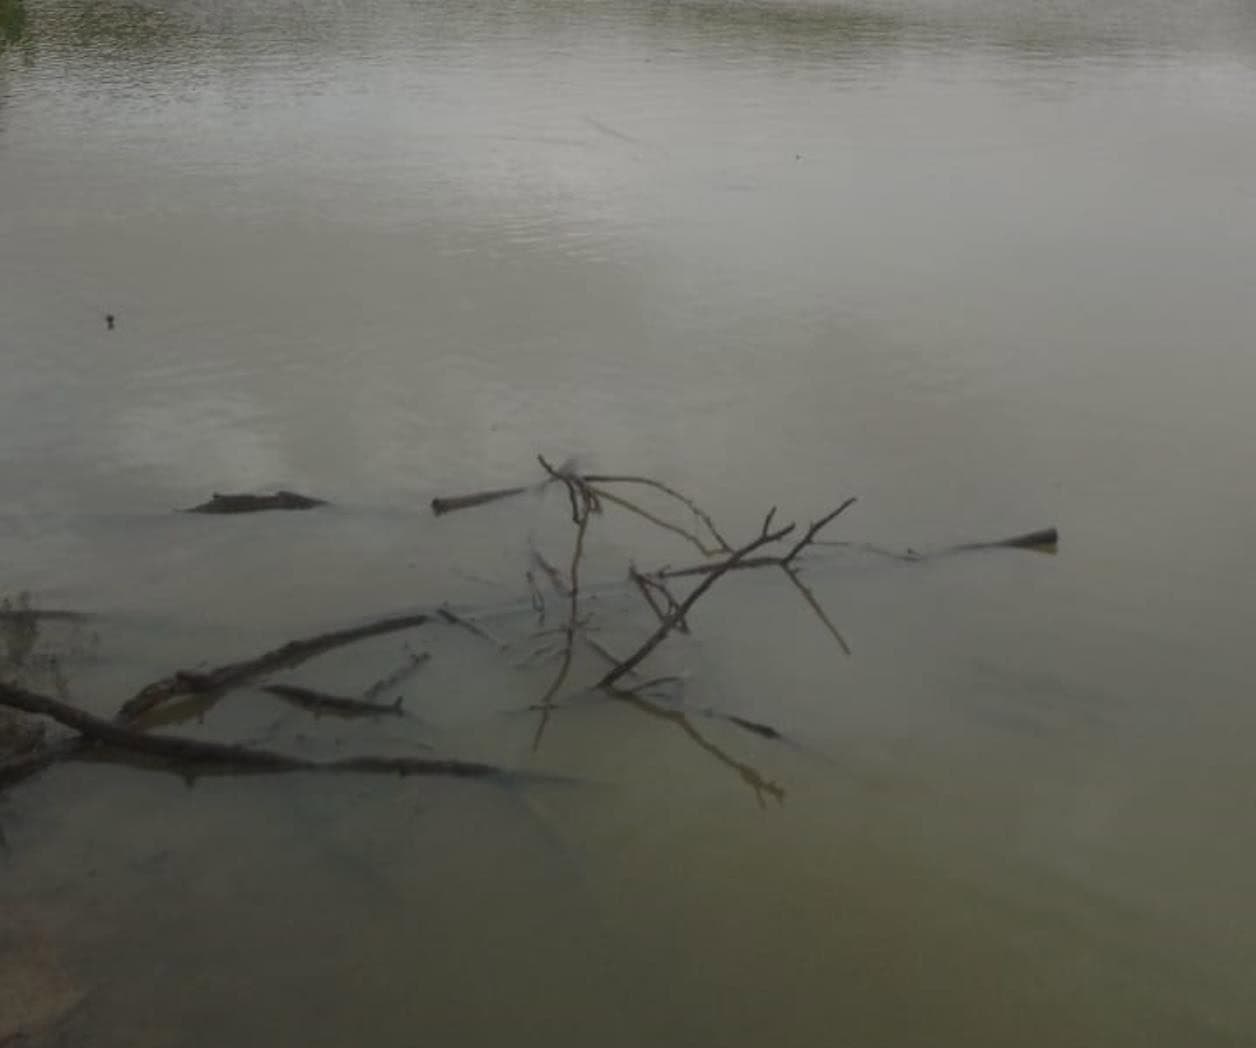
[(987, 266)]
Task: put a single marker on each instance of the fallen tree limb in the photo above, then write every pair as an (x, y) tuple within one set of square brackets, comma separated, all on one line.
[(130, 735), (232, 675), (186, 752)]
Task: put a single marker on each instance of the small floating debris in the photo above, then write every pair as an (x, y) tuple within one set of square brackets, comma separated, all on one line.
[(256, 503)]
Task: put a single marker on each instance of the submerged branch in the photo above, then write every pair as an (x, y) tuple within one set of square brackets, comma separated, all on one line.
[(821, 614), (397, 677), (232, 675), (448, 616), (321, 704), (1044, 540), (650, 482), (583, 506), (659, 522), (191, 753), (760, 785), (648, 588)]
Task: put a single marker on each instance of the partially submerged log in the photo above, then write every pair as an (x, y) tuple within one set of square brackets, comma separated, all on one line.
[(1046, 539), (256, 503)]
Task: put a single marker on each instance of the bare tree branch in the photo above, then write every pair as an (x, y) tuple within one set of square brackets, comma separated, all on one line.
[(761, 786), (698, 512), (193, 752), (667, 625), (813, 531), (649, 587), (666, 525)]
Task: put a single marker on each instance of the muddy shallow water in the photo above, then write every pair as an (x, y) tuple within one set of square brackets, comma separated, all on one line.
[(985, 266)]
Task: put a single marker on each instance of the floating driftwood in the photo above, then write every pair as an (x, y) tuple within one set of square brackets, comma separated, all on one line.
[(256, 503)]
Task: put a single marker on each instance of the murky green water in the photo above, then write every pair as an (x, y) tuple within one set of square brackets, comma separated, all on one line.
[(987, 266)]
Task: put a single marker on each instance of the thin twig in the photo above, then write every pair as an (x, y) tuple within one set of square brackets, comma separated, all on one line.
[(554, 576), (707, 569), (648, 588), (398, 676), (584, 503), (668, 624), (573, 615), (667, 525), (471, 627), (814, 530), (650, 482), (751, 776), (538, 600), (809, 597)]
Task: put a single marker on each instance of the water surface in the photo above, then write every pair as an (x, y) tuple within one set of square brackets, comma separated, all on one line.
[(986, 266)]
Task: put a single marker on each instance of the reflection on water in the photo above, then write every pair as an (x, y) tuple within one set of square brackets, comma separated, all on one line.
[(12, 22), (985, 265)]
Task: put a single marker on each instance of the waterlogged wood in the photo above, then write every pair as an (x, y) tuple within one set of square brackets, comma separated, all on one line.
[(397, 677), (129, 735), (189, 753), (234, 674), (23, 614), (282, 500), (441, 506), (321, 704), (678, 615), (1047, 538)]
